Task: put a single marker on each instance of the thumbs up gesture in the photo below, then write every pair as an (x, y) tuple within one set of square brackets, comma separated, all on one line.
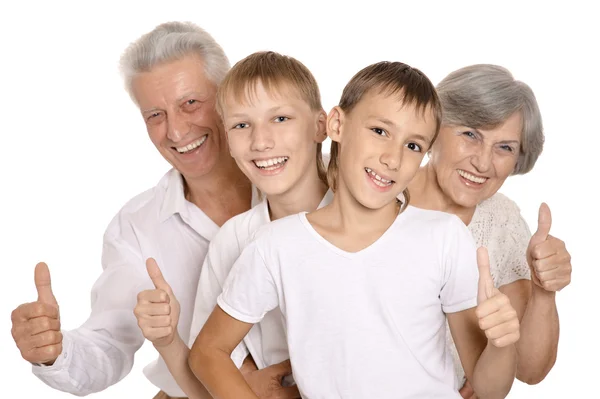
[(548, 259), (36, 325), (157, 310), (497, 318)]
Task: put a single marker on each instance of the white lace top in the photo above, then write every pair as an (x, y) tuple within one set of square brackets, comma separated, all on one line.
[(497, 224)]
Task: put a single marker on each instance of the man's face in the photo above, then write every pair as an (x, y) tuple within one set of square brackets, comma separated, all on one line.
[(177, 102)]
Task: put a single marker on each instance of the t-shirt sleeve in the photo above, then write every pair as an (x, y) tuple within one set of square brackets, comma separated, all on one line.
[(459, 289), (250, 290)]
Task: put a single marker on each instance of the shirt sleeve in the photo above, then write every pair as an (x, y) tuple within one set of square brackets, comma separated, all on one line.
[(101, 352), (250, 290), (221, 256), (461, 275)]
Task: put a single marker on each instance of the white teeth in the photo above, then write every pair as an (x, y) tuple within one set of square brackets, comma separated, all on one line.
[(192, 146), (272, 163), (472, 178), (380, 181)]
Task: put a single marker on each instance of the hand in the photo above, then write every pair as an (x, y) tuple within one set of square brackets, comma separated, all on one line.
[(157, 311), (548, 259), (467, 391), (36, 325), (497, 318), (266, 383)]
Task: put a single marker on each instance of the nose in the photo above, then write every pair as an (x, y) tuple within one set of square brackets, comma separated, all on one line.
[(482, 160), (178, 127), (392, 157), (261, 139)]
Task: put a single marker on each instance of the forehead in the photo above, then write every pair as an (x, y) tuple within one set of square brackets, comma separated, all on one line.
[(168, 82), (392, 107), (256, 95), (510, 129)]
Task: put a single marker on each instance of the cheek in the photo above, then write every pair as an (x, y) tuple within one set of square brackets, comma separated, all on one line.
[(504, 167), (157, 133), (238, 143)]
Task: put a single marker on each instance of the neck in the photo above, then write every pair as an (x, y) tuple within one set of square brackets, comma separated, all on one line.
[(426, 193), (351, 216), (225, 185), (304, 196)]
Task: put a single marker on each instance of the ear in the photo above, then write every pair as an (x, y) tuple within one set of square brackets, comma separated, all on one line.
[(321, 132), (335, 120)]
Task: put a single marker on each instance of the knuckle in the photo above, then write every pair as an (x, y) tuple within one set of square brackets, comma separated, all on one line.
[(38, 308)]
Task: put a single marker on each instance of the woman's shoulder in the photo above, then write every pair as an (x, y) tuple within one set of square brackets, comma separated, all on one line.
[(499, 204)]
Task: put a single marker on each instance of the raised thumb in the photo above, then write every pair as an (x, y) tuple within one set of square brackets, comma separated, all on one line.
[(43, 284), (485, 289), (156, 276)]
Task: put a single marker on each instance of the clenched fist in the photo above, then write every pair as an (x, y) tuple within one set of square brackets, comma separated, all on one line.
[(36, 325), (157, 310)]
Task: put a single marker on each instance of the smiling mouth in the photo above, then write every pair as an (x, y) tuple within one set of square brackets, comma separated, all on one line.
[(378, 180), (472, 178), (191, 146), (270, 164)]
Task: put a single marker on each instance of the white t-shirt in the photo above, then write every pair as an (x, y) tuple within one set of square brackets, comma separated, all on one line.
[(266, 341), (369, 324), (498, 225)]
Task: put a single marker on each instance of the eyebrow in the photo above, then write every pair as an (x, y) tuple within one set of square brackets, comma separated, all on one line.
[(272, 109), (391, 124), (517, 142), (190, 94)]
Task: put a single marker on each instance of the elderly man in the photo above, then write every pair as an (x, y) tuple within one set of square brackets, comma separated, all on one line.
[(172, 74)]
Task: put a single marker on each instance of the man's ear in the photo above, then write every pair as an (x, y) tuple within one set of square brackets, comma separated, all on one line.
[(335, 122)]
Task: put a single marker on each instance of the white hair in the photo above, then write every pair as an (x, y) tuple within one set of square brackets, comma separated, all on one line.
[(485, 96), (169, 42)]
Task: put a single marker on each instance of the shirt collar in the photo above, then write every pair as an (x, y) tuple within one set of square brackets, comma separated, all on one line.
[(174, 200)]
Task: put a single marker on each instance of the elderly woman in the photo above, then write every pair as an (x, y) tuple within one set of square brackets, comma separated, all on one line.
[(492, 129)]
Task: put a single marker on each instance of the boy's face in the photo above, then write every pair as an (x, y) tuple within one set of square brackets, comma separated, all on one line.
[(382, 144), (273, 137)]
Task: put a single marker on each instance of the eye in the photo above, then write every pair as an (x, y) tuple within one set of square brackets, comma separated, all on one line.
[(280, 119), (190, 102), (242, 125), (414, 147), (508, 148), (379, 131), (154, 117), (469, 134)]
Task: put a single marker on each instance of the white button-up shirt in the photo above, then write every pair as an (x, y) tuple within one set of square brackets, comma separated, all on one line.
[(158, 223)]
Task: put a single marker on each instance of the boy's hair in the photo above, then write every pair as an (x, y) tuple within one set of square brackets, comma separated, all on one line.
[(410, 85), (275, 71)]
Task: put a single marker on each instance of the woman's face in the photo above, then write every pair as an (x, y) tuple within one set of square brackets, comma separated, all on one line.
[(472, 164)]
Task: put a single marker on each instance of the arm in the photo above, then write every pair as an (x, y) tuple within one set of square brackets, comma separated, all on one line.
[(210, 358), (485, 337), (550, 265), (157, 312), (101, 352), (223, 251)]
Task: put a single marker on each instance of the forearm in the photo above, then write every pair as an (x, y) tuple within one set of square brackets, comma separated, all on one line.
[(538, 344), (89, 363), (176, 356), (494, 372), (219, 374)]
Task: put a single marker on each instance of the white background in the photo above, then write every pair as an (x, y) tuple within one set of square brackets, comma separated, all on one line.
[(75, 148)]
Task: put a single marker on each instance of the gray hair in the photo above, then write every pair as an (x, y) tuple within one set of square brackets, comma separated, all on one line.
[(169, 42), (485, 96)]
